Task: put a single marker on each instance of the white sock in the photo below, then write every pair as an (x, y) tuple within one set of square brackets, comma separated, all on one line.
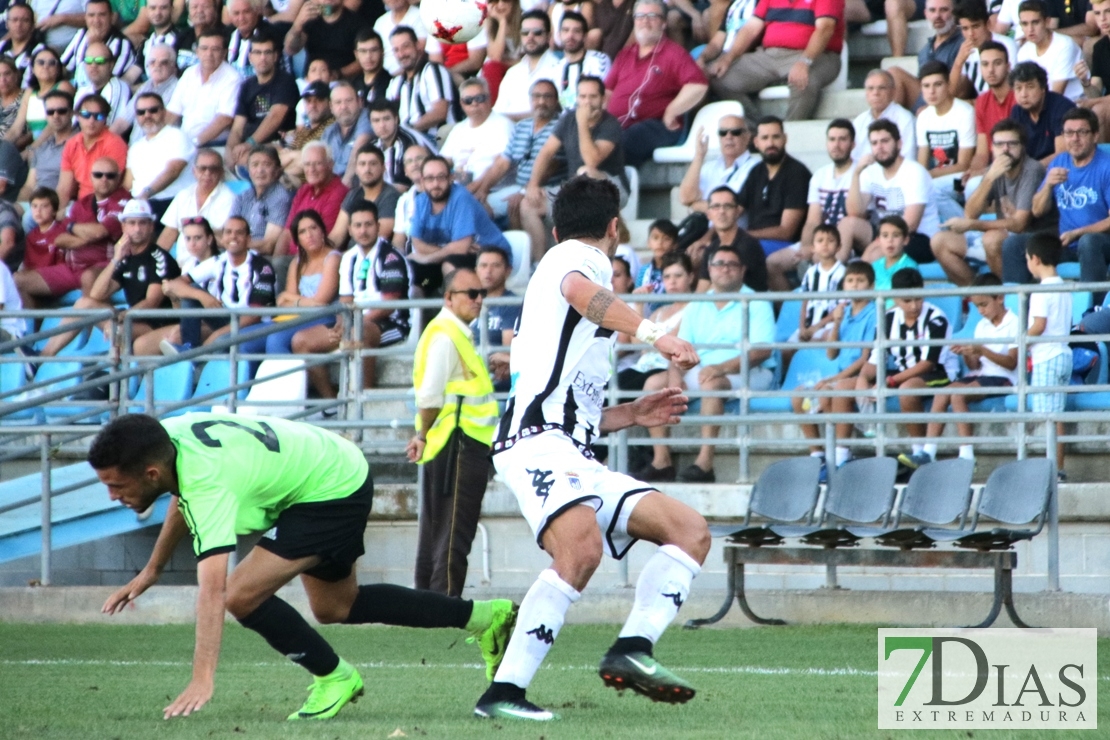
[(661, 589), (537, 625), (916, 450), (967, 452), (817, 454), (931, 450), (843, 455)]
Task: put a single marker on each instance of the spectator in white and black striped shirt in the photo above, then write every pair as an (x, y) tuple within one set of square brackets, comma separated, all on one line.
[(99, 28), (394, 139), (23, 40), (424, 91)]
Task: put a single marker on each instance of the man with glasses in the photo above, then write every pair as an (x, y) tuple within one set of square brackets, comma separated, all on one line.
[(203, 103), (878, 88), (578, 61), (372, 81), (1078, 184), (247, 22), (161, 73), (775, 193), (1039, 111), (800, 47), (267, 103), (718, 323), (157, 161), (653, 83), (729, 166), (520, 155), (123, 61), (99, 80), (209, 197), (134, 264), (1008, 185), (724, 230), (80, 152), (474, 143), (413, 159), (394, 140), (449, 226), (455, 420), (538, 62), (46, 155)]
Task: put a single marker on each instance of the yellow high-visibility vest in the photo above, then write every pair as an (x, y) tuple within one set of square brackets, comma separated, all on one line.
[(478, 412)]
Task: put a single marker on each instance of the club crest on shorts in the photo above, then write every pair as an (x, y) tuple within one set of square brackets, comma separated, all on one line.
[(574, 481)]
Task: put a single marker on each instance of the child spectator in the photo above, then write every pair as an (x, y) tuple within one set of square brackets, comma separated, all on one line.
[(662, 239), (851, 322), (992, 365), (908, 365), (41, 253), (1050, 316), (894, 235), (825, 275)]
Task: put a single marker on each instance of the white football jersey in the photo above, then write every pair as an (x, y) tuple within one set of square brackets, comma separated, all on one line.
[(560, 363)]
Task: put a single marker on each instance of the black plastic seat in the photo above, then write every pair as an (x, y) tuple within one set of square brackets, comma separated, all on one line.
[(1016, 493), (861, 492), (786, 492), (938, 493)]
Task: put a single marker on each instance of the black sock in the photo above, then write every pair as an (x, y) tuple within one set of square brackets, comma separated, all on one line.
[(502, 691), (625, 645), (287, 632), (385, 603)]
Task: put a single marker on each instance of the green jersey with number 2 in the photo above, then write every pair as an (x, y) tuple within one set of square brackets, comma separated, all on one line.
[(236, 474)]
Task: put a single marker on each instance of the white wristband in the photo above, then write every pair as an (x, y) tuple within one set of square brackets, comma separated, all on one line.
[(649, 332)]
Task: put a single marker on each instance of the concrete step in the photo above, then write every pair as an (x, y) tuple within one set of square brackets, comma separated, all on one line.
[(394, 372), (870, 41)]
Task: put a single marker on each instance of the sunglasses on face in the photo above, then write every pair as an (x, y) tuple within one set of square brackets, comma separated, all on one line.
[(87, 114), (208, 168), (46, 62), (475, 99), (96, 60), (723, 132), (57, 111), (105, 175), (531, 32), (472, 293), (148, 111)]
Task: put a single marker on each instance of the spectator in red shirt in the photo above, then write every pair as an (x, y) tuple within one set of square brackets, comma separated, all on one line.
[(802, 40), (86, 241), (81, 152), (652, 83), (991, 106), (41, 252), (322, 192)]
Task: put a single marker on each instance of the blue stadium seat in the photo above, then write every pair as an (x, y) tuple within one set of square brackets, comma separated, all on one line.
[(806, 367), (952, 305), (48, 371), (50, 322), (787, 322), (1068, 270), (215, 376), (932, 272), (172, 384), (13, 376), (1081, 302)]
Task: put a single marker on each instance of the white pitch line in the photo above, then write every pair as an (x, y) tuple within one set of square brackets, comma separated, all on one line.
[(728, 670)]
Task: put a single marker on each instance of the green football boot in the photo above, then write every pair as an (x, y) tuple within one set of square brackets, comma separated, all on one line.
[(328, 694), (645, 675)]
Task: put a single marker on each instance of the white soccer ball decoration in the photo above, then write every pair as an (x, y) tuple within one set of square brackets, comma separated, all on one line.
[(453, 21)]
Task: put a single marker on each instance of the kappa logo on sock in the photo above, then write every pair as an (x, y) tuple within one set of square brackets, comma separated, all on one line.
[(541, 481), (543, 634), (676, 597)]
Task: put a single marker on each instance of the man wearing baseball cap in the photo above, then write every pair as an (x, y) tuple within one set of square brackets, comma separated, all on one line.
[(316, 101), (138, 267)]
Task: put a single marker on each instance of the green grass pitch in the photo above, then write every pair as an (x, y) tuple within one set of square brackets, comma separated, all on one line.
[(69, 681)]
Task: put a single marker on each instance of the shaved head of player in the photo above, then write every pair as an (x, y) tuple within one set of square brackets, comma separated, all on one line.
[(577, 508)]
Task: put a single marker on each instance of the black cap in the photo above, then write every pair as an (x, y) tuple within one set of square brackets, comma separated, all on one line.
[(317, 89)]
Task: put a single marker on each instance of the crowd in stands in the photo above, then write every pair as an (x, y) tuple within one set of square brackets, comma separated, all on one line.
[(300, 153)]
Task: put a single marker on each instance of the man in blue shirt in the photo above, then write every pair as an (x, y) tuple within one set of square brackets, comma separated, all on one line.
[(1039, 111), (1077, 184), (449, 227), (715, 323)]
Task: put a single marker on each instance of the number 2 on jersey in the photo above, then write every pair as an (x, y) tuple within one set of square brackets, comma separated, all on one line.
[(269, 440)]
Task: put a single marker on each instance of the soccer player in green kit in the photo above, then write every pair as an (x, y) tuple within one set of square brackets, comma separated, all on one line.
[(310, 490)]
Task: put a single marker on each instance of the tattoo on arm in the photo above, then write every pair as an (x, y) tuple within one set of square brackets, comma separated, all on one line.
[(598, 305)]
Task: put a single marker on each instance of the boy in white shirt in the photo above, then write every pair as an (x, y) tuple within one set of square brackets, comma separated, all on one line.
[(1049, 315), (992, 365), (1056, 52), (946, 136)]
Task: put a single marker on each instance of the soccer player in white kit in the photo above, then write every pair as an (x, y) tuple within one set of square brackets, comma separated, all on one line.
[(577, 508)]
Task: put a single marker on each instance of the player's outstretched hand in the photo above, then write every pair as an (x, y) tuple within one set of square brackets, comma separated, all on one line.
[(195, 696), (660, 408), (125, 595), (678, 351)]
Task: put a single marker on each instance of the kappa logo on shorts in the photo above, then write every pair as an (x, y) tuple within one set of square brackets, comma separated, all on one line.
[(541, 481), (543, 634), (575, 481)]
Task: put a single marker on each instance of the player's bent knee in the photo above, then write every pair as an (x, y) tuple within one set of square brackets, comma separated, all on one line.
[(331, 612)]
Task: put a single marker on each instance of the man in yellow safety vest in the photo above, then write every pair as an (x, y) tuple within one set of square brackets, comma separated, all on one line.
[(455, 421)]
